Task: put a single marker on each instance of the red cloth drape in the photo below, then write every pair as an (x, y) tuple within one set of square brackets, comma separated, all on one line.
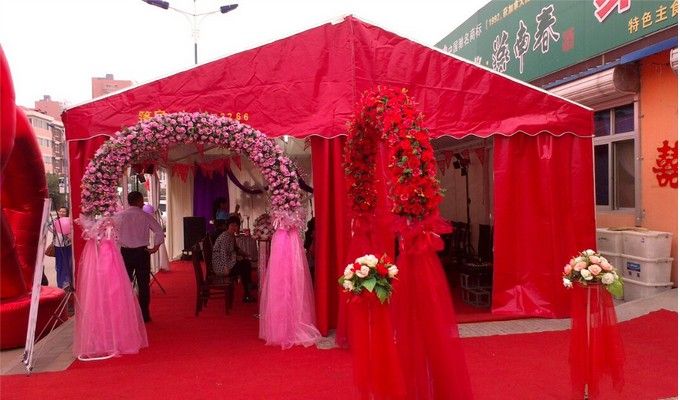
[(331, 231), (430, 351), (377, 369), (370, 234), (80, 152), (544, 214), (597, 353)]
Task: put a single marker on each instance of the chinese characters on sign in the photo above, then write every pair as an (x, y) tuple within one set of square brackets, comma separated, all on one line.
[(605, 7), (666, 169), (464, 40), (501, 54), (522, 39), (649, 18), (239, 116), (544, 29), (544, 36)]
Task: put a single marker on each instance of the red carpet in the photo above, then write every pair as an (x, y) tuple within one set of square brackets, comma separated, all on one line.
[(214, 356)]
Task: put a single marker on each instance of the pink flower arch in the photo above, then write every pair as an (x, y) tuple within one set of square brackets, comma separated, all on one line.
[(148, 140)]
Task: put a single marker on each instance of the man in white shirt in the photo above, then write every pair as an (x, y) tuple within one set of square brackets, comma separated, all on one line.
[(133, 236)]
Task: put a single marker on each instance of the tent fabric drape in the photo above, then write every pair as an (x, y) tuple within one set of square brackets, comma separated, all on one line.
[(544, 212), (207, 188), (180, 204), (332, 227)]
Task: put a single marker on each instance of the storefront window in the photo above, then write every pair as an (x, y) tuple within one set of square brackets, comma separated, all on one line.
[(615, 137)]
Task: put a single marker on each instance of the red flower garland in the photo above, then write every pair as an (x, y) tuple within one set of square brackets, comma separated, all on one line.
[(389, 115)]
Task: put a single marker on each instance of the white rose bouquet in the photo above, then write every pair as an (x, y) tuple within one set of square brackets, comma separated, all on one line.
[(263, 229), (590, 267), (371, 274)]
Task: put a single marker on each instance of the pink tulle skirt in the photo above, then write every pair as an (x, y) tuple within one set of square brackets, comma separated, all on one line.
[(287, 315), (108, 318)]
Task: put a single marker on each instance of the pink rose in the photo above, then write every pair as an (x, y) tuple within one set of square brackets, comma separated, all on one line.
[(595, 269), (567, 269), (579, 265), (607, 267), (594, 259)]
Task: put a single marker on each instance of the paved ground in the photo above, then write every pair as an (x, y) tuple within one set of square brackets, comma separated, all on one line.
[(54, 352)]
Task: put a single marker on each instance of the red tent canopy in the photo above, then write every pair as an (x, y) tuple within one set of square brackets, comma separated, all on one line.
[(307, 84)]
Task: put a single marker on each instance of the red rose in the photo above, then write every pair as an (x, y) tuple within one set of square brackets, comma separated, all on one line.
[(381, 270)]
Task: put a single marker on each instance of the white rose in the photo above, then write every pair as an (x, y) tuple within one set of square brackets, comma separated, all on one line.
[(608, 278), (348, 285), (589, 252), (349, 272), (392, 271), (567, 283), (587, 275), (363, 272), (371, 260)]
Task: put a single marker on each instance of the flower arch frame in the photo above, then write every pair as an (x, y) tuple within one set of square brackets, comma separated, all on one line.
[(388, 115), (147, 140)]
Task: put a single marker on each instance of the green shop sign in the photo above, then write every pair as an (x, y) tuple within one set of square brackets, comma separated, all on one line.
[(528, 39)]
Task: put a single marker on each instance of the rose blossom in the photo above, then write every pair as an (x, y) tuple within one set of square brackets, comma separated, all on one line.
[(567, 283), (371, 260), (348, 285), (595, 269), (567, 269), (607, 267), (607, 278), (579, 266), (590, 252), (392, 271), (587, 275), (363, 272), (594, 259), (349, 272)]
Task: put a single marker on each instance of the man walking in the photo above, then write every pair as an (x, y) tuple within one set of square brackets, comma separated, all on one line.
[(134, 225)]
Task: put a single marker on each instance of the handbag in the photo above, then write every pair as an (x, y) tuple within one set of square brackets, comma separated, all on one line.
[(49, 251)]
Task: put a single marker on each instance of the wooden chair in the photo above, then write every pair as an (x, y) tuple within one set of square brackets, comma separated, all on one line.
[(208, 285)]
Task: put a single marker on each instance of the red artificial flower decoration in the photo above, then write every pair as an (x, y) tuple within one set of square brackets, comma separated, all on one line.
[(389, 115)]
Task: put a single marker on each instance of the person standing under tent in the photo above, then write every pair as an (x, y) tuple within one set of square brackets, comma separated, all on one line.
[(221, 209), (229, 260), (237, 214), (63, 251), (134, 225), (161, 262)]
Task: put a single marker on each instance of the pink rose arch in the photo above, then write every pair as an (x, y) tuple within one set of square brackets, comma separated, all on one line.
[(149, 140)]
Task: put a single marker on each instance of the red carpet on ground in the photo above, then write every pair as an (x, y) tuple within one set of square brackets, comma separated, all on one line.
[(217, 356)]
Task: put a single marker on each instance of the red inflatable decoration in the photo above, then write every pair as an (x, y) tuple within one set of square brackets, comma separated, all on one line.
[(24, 188)]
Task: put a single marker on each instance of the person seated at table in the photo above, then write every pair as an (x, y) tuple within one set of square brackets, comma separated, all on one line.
[(220, 228), (229, 260)]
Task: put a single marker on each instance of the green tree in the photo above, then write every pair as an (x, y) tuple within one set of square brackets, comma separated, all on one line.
[(58, 199)]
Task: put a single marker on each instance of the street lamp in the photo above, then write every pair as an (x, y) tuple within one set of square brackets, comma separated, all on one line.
[(193, 18)]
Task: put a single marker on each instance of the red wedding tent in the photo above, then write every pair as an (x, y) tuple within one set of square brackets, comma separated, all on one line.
[(307, 85)]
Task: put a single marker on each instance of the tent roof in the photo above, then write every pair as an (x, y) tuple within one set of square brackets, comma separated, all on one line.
[(307, 84)]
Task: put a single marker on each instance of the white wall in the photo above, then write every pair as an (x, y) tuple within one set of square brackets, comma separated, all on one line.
[(480, 177)]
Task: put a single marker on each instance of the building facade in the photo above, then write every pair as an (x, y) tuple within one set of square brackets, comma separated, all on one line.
[(618, 57), (50, 107), (107, 84), (51, 139)]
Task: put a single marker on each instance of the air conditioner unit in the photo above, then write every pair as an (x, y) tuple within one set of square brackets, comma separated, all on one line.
[(674, 59)]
